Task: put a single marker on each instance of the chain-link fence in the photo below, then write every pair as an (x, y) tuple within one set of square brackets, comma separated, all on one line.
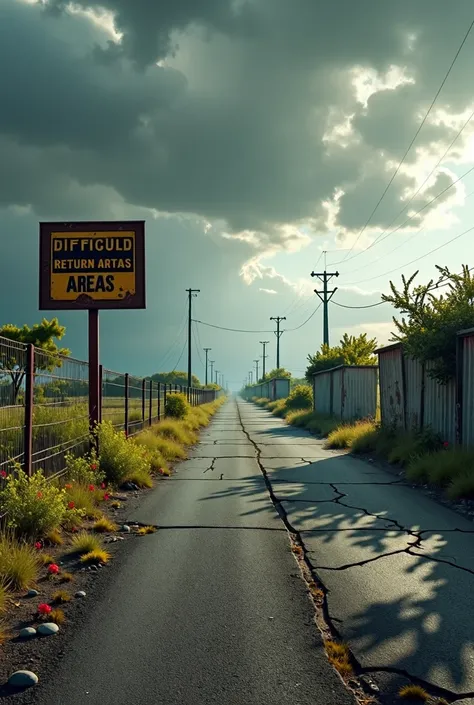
[(13, 364)]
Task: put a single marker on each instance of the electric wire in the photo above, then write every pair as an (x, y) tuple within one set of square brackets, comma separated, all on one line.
[(413, 140)]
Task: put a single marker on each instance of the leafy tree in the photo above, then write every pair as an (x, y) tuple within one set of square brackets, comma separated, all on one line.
[(430, 321), (175, 377), (276, 372), (297, 381), (43, 336), (352, 350)]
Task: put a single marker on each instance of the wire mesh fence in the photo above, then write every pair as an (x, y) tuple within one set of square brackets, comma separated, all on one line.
[(113, 398), (13, 362), (61, 412), (44, 406)]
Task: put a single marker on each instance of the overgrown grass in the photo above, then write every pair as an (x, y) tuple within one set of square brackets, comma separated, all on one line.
[(339, 656), (57, 616), (299, 417), (3, 598), (413, 692), (104, 525), (84, 542), (175, 430), (452, 469), (345, 435), (83, 499), (95, 557), (19, 563)]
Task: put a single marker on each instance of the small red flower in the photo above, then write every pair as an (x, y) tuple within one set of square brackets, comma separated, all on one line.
[(3, 474), (53, 569), (39, 495), (103, 485), (446, 444), (73, 529), (38, 545), (70, 505), (43, 608), (93, 466), (91, 488), (106, 496), (68, 487)]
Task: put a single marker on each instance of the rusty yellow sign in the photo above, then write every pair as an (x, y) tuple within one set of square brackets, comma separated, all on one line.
[(92, 267)]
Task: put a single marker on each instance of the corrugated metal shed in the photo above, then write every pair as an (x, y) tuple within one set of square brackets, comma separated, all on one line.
[(322, 392), (392, 400), (440, 407), (468, 387), (414, 380), (358, 392)]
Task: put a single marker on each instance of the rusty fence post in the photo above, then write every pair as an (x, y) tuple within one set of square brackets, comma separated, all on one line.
[(150, 415), (158, 406), (143, 401), (101, 390), (127, 392), (29, 393), (164, 400)]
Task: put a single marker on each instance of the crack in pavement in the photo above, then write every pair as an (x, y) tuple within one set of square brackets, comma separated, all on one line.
[(396, 526), (211, 466)]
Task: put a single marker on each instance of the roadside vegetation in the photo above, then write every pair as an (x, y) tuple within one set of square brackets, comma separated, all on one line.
[(52, 529), (423, 456)]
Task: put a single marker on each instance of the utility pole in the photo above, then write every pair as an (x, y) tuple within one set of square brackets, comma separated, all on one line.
[(211, 363), (278, 334), (325, 295), (250, 376), (191, 293), (264, 356), (217, 372), (206, 350), (256, 370)]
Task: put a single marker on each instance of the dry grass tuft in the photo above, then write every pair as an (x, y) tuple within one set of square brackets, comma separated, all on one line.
[(104, 525), (413, 692), (5, 633), (19, 563), (57, 616), (46, 558), (144, 530), (60, 597), (344, 436), (339, 657), (84, 542), (66, 577), (54, 538), (96, 556), (115, 504), (3, 598), (141, 477)]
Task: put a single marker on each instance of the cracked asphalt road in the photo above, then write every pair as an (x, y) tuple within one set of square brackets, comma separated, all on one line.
[(209, 609), (398, 567)]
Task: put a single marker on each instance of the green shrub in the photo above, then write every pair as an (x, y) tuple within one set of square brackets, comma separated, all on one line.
[(280, 408), (84, 470), (119, 457), (442, 468), (33, 505), (408, 445), (300, 398), (83, 499), (176, 406)]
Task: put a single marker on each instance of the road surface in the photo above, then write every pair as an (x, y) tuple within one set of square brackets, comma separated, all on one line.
[(210, 608)]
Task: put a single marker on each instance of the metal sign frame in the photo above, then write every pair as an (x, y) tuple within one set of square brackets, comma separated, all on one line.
[(136, 300)]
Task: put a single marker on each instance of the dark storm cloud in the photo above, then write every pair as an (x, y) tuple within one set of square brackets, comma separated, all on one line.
[(231, 127)]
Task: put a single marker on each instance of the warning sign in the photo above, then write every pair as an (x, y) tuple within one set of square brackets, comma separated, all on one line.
[(99, 267)]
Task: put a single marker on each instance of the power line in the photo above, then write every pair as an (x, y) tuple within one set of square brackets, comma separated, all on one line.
[(399, 227), (368, 305), (414, 138), (417, 258), (289, 330), (173, 345), (179, 358), (380, 237), (232, 330), (197, 345)]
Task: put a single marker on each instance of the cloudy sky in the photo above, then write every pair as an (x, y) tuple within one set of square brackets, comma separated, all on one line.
[(251, 135)]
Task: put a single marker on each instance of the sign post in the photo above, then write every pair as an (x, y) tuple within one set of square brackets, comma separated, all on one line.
[(92, 266)]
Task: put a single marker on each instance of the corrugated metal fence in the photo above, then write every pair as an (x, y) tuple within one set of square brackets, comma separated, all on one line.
[(412, 400), (346, 392), (273, 389)]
